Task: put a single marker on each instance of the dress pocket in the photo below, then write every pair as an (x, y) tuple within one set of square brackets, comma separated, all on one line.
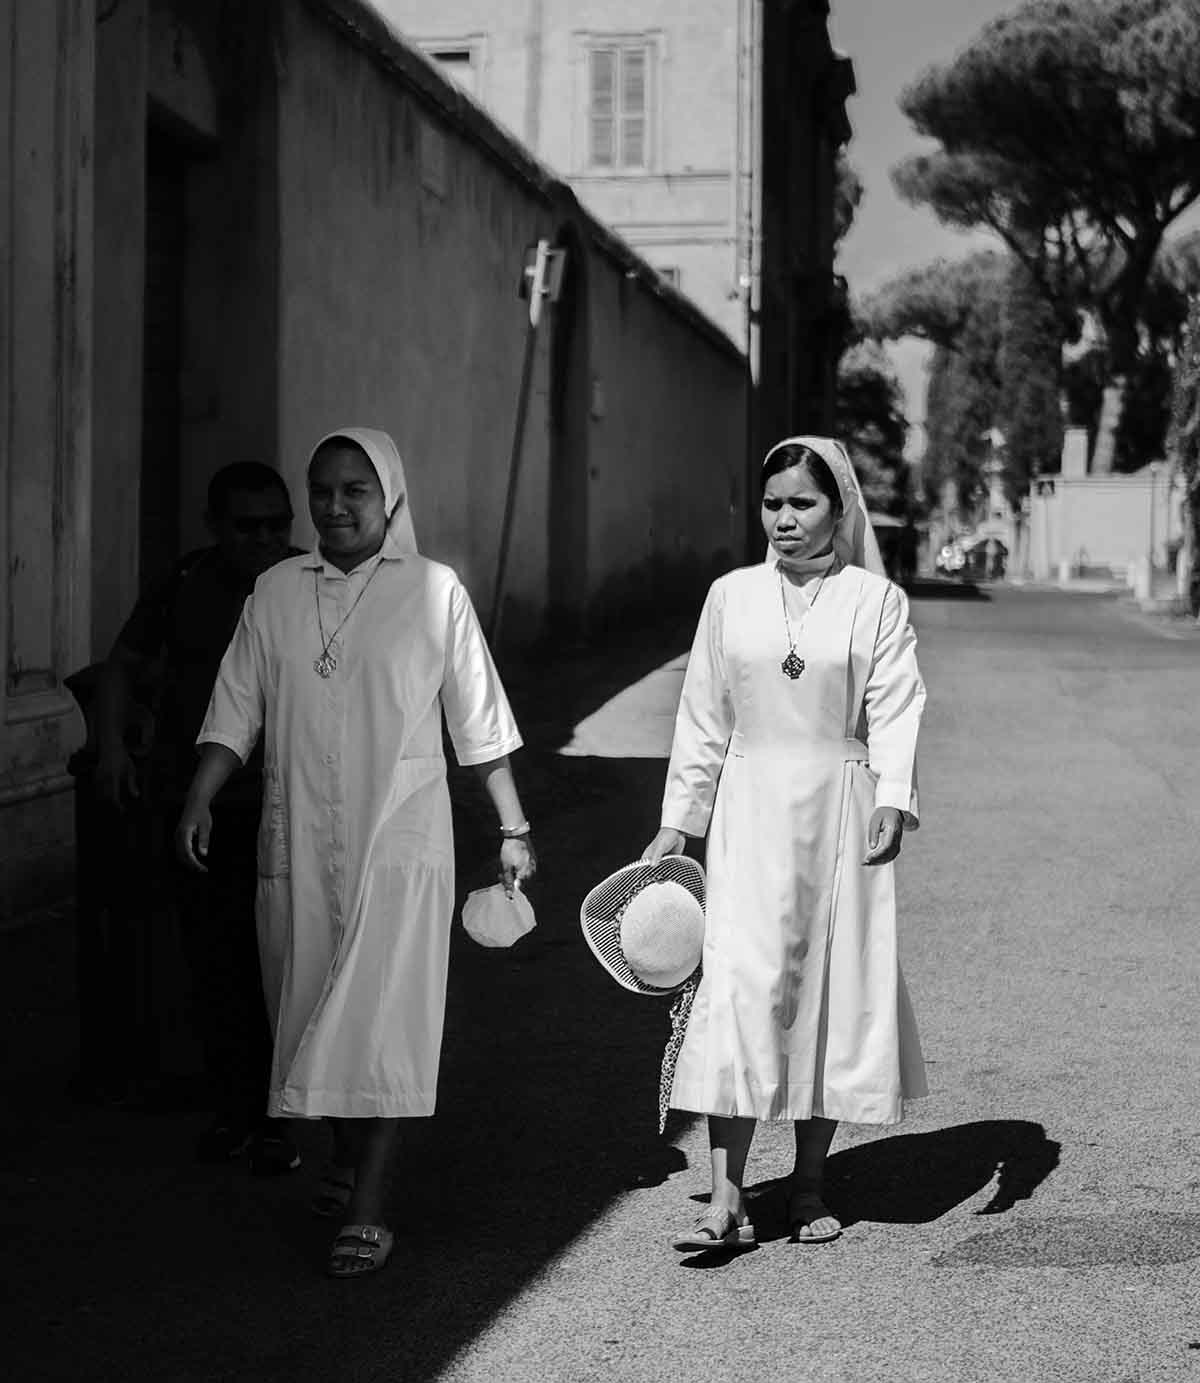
[(274, 855)]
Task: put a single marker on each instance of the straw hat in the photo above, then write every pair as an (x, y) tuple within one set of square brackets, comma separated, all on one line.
[(645, 923)]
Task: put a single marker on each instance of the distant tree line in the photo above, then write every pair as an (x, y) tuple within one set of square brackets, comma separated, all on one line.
[(1071, 130), (870, 402)]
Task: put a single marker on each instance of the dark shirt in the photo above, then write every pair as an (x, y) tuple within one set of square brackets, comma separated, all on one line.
[(187, 621)]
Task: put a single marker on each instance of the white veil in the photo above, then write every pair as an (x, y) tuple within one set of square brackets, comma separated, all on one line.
[(384, 455), (853, 538)]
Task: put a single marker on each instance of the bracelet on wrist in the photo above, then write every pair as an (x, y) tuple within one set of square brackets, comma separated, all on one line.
[(515, 832)]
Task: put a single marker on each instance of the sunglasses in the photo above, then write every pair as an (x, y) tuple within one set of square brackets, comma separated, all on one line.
[(275, 523)]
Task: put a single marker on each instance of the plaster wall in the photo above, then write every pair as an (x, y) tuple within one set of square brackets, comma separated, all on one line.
[(667, 452), (401, 243), (401, 249), (681, 210), (353, 246), (1103, 521)]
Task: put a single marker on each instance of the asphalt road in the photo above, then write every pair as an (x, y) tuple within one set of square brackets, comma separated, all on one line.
[(1036, 1218)]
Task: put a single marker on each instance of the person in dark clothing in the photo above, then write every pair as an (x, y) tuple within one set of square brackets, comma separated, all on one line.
[(180, 628)]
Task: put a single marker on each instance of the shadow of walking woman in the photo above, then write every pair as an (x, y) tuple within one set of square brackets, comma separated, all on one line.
[(917, 1177)]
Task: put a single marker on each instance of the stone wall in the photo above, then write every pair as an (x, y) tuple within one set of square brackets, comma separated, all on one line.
[(404, 218), (685, 210), (45, 427), (1109, 524), (337, 236)]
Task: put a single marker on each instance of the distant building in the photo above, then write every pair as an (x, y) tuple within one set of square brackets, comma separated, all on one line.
[(800, 305), (647, 109), (1081, 524), (706, 133)]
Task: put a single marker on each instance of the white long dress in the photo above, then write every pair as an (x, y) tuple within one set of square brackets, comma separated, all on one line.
[(802, 1009), (356, 852)]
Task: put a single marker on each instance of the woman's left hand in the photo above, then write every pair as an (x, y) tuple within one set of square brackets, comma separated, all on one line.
[(517, 862), (884, 835)]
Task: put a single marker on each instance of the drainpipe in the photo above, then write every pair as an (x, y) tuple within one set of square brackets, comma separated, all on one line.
[(541, 283)]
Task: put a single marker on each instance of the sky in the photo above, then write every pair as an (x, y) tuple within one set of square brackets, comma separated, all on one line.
[(891, 42)]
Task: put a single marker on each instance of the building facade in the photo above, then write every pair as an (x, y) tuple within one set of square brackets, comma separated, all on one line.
[(1083, 524), (228, 229), (648, 109)]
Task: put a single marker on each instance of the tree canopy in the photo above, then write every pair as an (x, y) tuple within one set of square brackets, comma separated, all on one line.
[(847, 196), (870, 420), (1030, 367), (1070, 128), (957, 307), (937, 301)]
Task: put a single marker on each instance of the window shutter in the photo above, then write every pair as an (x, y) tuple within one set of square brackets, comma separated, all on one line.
[(603, 81), (633, 108)]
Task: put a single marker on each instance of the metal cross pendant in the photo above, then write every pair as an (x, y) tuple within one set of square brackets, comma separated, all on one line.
[(792, 666), (326, 664)]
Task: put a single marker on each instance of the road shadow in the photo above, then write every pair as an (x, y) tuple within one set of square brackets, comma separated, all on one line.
[(147, 1265), (914, 1178), (945, 588), (553, 689)]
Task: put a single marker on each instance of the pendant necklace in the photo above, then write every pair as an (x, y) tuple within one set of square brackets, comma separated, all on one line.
[(793, 665), (326, 664)]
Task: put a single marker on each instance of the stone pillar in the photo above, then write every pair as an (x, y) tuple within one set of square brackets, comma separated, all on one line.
[(1111, 408), (45, 428)]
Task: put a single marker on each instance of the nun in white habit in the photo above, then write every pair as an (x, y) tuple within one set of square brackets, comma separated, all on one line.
[(345, 660), (795, 752)]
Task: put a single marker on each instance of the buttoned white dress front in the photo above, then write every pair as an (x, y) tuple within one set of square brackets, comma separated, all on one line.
[(356, 851), (802, 1009)]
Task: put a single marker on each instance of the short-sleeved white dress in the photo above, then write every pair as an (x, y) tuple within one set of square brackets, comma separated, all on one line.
[(356, 851), (802, 1009)]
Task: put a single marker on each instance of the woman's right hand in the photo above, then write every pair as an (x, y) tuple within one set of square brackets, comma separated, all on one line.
[(191, 836), (667, 842)]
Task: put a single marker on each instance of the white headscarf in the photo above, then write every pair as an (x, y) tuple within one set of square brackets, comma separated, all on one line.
[(383, 454), (853, 537)]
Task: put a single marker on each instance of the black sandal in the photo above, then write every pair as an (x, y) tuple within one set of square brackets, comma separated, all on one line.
[(333, 1191), (805, 1207), (359, 1250)]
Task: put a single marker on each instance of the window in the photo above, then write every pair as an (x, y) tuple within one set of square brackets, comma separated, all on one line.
[(618, 105), (669, 272), (459, 62)]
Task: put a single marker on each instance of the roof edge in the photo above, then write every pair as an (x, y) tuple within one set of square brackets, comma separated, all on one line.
[(364, 26)]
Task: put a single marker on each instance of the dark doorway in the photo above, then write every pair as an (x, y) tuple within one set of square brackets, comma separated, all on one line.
[(570, 420), (166, 249)]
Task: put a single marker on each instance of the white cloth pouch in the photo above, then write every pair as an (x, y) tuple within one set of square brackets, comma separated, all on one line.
[(492, 918)]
